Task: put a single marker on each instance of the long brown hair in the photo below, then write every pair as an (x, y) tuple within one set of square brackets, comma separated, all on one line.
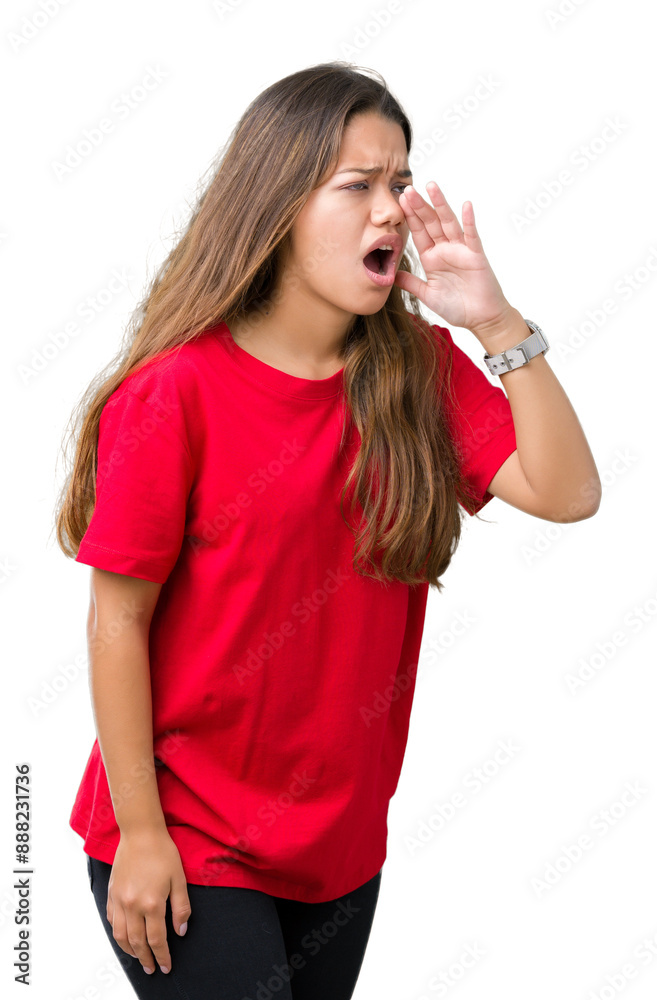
[(396, 376)]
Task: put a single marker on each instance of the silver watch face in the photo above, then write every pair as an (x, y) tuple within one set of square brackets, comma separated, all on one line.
[(535, 328)]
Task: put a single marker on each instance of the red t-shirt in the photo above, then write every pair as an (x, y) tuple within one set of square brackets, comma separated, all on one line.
[(282, 680)]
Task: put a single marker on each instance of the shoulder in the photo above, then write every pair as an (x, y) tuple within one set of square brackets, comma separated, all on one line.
[(168, 391), (463, 382), (179, 370)]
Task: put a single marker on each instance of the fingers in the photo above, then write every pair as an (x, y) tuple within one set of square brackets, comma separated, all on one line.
[(141, 932), (180, 906), (450, 226), (472, 239), (109, 913), (437, 224), (126, 935), (426, 230), (410, 283), (156, 934)]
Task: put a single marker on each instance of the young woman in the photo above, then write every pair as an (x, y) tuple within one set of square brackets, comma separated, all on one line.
[(266, 485)]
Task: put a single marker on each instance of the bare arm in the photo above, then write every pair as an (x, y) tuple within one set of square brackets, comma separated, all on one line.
[(120, 613), (147, 867)]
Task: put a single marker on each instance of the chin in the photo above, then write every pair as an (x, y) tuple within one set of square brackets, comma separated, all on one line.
[(368, 302), (373, 310)]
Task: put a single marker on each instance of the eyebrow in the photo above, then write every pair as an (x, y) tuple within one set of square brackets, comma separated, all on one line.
[(372, 170)]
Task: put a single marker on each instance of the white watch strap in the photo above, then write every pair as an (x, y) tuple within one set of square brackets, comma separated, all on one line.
[(519, 355)]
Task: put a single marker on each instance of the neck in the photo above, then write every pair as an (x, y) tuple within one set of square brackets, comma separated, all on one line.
[(288, 334)]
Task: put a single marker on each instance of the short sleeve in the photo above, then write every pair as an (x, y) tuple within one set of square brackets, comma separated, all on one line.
[(480, 419), (143, 481)]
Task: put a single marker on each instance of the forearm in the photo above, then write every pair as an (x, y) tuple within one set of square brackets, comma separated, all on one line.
[(552, 448), (121, 697)]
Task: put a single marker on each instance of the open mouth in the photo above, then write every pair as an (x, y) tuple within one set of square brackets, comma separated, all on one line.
[(379, 262)]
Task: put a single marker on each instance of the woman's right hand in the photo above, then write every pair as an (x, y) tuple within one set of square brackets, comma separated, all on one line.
[(147, 870)]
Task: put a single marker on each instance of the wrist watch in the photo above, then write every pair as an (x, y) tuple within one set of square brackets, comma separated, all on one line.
[(515, 357)]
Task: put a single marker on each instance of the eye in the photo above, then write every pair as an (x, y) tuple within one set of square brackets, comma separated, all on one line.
[(361, 184)]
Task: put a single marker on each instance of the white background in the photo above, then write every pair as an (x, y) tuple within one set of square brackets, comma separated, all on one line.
[(542, 599)]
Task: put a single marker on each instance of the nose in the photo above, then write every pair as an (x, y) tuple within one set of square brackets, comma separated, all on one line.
[(386, 208)]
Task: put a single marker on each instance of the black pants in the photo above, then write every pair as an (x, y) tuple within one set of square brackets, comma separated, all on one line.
[(243, 944)]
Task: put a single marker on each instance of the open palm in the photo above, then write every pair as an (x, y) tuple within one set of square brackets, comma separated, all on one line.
[(460, 285)]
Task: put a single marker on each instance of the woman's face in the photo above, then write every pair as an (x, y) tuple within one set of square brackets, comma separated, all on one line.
[(345, 215)]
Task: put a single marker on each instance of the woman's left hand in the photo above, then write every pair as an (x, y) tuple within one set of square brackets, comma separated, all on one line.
[(460, 285)]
